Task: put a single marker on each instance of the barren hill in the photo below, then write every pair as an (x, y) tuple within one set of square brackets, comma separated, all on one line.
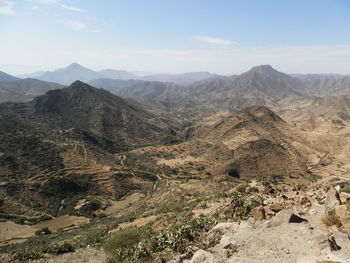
[(59, 147), (23, 90)]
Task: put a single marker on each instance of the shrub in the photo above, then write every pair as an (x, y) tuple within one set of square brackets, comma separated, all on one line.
[(89, 207), (233, 172), (125, 238), (25, 255), (179, 237), (43, 231), (60, 248), (242, 205)]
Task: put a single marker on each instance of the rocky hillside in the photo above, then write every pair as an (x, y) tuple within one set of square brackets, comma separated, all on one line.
[(24, 89), (60, 146), (6, 77)]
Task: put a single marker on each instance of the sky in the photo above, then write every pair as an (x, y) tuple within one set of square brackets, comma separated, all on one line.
[(175, 36)]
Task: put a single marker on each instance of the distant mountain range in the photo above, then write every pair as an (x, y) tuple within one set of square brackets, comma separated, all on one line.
[(184, 78), (73, 72), (190, 92), (21, 90), (6, 77)]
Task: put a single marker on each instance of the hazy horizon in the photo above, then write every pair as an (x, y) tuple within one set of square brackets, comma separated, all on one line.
[(224, 38)]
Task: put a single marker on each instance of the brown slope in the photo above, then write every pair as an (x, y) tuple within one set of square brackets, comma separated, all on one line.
[(98, 112), (260, 142), (324, 113), (255, 143), (23, 90), (59, 148)]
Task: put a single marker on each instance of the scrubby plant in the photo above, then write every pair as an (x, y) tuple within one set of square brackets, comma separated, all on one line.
[(125, 238), (178, 237), (60, 248), (141, 246), (25, 255), (43, 231), (242, 204)]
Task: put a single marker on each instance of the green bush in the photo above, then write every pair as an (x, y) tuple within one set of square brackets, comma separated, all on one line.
[(60, 248), (179, 237), (242, 204), (125, 238), (25, 255), (43, 231)]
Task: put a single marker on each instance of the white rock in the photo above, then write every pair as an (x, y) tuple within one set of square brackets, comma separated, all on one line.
[(202, 256), (226, 227)]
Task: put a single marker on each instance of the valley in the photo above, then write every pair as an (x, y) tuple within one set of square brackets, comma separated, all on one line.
[(219, 169)]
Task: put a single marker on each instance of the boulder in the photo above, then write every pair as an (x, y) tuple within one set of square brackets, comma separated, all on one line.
[(345, 198), (296, 219), (304, 200), (343, 213), (215, 234), (259, 213), (202, 256), (228, 240), (331, 199), (225, 227)]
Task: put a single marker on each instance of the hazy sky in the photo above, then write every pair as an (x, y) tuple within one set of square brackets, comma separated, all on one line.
[(221, 36)]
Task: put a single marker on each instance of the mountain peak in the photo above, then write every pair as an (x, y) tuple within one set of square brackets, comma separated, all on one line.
[(74, 65), (7, 77), (78, 83), (263, 69)]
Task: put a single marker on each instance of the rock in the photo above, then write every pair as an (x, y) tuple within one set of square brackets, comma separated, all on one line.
[(345, 198), (285, 216), (277, 207), (333, 244), (216, 233), (347, 202), (331, 200), (227, 240), (259, 214), (331, 218), (225, 227), (334, 229), (317, 260), (280, 218), (343, 213), (202, 256), (304, 200), (296, 219), (279, 188), (343, 240)]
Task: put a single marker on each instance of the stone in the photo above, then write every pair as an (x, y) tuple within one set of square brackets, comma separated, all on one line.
[(216, 233), (304, 200), (202, 256), (345, 198), (333, 244), (259, 213), (277, 207), (343, 213), (280, 218), (225, 227), (227, 240), (331, 200), (296, 219), (342, 240)]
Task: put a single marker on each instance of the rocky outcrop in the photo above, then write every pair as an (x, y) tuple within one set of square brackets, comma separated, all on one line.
[(293, 235)]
